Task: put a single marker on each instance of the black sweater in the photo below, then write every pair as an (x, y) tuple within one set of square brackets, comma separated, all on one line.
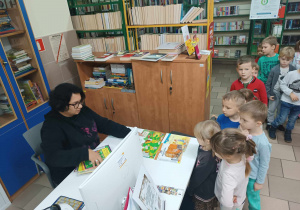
[(66, 140), (202, 182)]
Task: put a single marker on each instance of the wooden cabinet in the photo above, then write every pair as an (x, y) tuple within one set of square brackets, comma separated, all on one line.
[(170, 96), (152, 95), (186, 95)]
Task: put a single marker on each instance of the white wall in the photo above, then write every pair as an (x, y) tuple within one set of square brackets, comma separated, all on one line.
[(48, 16)]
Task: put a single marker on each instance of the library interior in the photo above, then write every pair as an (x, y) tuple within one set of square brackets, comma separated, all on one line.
[(150, 104)]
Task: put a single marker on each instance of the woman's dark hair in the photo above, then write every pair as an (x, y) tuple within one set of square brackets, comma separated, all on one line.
[(61, 96)]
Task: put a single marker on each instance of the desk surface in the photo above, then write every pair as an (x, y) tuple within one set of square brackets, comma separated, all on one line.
[(162, 172)]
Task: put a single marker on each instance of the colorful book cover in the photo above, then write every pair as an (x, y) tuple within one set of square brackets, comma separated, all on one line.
[(87, 166), (173, 148), (75, 204), (151, 142)]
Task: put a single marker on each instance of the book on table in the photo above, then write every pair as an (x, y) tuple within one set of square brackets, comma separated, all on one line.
[(171, 47), (170, 57), (104, 57), (154, 57), (139, 55), (127, 57)]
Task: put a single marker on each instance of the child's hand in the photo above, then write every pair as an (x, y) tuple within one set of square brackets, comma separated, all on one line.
[(234, 199), (245, 132), (294, 97), (257, 186), (271, 98)]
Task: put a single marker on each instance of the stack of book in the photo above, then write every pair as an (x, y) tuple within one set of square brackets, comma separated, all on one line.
[(152, 41), (93, 83), (4, 104), (101, 72), (82, 52), (32, 94), (118, 76), (232, 10), (139, 55), (171, 47), (232, 26), (5, 24), (99, 21), (18, 59), (108, 44), (104, 57), (154, 57), (149, 15)]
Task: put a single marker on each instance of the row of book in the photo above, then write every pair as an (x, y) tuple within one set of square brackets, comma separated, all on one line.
[(99, 21), (152, 41), (150, 15), (31, 93), (96, 8), (276, 30), (168, 14), (226, 53), (290, 39), (230, 40), (293, 7), (232, 10), (18, 60), (292, 24), (108, 44), (232, 26)]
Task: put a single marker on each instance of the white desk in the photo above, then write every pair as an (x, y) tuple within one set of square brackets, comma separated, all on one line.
[(162, 172)]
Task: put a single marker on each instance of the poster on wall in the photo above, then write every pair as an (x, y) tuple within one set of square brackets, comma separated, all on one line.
[(59, 47), (264, 9)]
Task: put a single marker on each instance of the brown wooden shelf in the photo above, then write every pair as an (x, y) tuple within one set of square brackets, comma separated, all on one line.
[(23, 75), (12, 33), (6, 119)]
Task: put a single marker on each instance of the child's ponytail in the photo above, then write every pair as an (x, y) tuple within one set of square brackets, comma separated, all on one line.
[(232, 141), (249, 152)]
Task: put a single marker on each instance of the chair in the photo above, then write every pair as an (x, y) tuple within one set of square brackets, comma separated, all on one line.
[(33, 138)]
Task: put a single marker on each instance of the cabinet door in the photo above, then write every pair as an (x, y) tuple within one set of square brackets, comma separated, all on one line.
[(186, 95), (151, 93), (97, 100), (124, 108), (21, 61)]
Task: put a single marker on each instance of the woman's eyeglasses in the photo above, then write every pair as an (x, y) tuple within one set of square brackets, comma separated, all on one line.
[(76, 105)]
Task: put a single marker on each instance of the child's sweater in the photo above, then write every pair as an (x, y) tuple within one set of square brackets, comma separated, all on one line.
[(225, 122), (231, 181), (296, 61), (265, 65)]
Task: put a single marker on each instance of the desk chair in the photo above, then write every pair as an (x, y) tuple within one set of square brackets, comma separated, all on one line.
[(33, 138)]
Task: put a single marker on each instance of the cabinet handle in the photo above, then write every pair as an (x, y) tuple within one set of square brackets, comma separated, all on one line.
[(161, 76), (112, 104), (105, 103), (171, 77)]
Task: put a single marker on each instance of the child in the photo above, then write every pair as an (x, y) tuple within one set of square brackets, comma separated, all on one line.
[(249, 96), (245, 68), (290, 105), (256, 70), (296, 61), (276, 75), (236, 150), (204, 175), (270, 58), (252, 115), (230, 107)]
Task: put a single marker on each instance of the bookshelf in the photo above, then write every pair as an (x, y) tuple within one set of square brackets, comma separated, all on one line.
[(112, 28), (232, 26), (132, 30)]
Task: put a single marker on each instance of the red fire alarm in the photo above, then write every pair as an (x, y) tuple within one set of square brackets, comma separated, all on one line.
[(40, 45)]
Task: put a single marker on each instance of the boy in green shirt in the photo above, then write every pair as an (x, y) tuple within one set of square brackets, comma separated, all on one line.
[(270, 58)]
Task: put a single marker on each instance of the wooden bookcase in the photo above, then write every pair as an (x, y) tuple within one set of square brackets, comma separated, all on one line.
[(170, 96)]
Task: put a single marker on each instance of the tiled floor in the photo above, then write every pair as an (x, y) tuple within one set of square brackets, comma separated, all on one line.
[(282, 187)]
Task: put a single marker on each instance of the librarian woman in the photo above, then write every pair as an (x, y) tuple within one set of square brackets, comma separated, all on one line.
[(70, 132)]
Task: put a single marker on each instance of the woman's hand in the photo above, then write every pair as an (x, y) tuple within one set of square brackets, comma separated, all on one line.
[(95, 158)]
